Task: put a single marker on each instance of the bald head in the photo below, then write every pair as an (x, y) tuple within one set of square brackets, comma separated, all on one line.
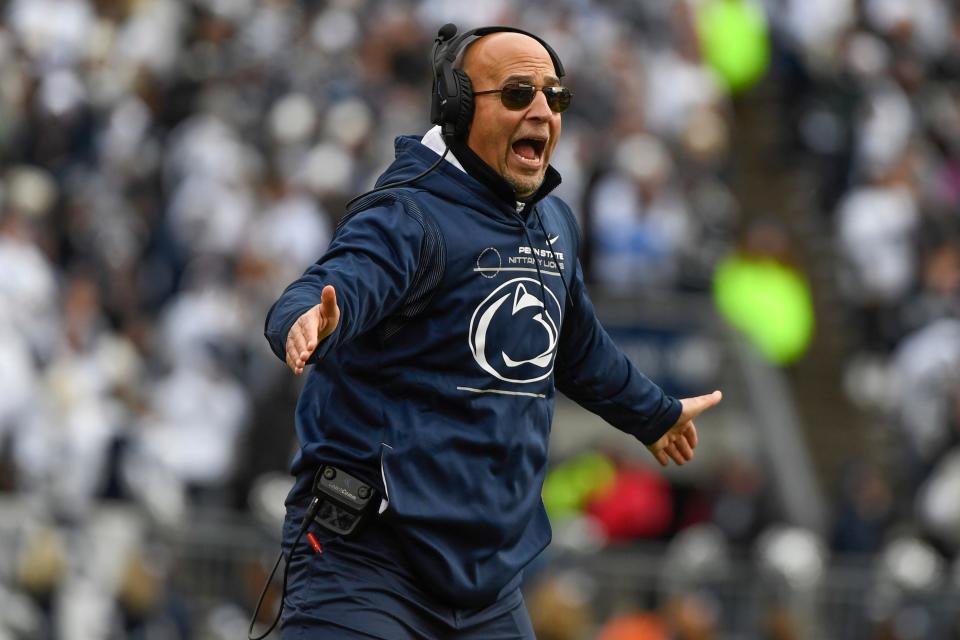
[(487, 55), (516, 143)]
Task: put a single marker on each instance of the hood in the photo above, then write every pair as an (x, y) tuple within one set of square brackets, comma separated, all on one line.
[(481, 188)]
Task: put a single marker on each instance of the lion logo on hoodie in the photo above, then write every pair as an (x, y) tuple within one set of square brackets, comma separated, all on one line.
[(514, 333)]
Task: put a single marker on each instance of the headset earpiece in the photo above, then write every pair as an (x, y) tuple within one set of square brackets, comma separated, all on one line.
[(452, 103), (464, 109)]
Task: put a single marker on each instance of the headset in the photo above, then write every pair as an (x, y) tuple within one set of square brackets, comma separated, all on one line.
[(451, 93)]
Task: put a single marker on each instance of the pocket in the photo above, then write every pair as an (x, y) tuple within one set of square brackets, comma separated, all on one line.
[(318, 580)]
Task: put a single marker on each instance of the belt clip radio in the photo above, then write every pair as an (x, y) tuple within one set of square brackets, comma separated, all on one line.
[(344, 501)]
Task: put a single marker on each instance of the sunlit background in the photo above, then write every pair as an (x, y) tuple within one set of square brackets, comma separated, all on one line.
[(769, 193)]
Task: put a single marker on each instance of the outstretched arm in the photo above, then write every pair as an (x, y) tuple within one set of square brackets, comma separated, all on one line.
[(362, 278), (592, 371)]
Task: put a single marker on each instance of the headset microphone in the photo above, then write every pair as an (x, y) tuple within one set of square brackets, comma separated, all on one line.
[(447, 31), (444, 35)]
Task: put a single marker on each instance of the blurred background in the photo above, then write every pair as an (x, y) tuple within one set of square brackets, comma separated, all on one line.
[(770, 197)]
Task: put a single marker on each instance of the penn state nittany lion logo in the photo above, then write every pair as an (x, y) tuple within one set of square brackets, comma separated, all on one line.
[(513, 333)]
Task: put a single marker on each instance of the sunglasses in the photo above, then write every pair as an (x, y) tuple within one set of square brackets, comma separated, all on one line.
[(519, 95)]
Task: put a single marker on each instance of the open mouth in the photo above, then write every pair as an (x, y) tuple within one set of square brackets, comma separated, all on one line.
[(529, 150)]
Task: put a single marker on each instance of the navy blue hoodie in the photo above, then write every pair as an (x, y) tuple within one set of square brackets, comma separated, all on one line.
[(438, 384)]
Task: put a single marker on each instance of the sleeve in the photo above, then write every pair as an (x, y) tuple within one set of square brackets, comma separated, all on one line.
[(371, 263), (592, 371)]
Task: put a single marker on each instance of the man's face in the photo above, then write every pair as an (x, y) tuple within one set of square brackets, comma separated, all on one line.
[(516, 144)]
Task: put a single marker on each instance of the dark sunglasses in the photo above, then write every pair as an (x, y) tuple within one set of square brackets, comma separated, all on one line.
[(519, 95)]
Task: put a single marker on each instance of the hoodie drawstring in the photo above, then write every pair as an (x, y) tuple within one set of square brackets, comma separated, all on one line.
[(552, 255), (536, 261)]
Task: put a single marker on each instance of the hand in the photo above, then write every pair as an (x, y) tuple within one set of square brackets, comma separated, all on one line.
[(311, 328), (679, 442)]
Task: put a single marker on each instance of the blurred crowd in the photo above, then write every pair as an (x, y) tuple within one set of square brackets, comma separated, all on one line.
[(870, 98), (168, 166)]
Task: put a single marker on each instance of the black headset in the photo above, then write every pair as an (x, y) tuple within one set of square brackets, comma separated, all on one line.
[(451, 104)]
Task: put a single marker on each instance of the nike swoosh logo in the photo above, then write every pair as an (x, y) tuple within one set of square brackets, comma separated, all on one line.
[(553, 239)]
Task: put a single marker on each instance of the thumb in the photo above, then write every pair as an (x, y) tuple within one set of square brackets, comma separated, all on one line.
[(693, 407), (329, 312), (328, 301)]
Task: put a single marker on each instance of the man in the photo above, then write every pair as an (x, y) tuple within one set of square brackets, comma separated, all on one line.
[(440, 322)]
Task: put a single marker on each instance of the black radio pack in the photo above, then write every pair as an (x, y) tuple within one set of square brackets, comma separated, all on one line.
[(340, 504), (343, 500)]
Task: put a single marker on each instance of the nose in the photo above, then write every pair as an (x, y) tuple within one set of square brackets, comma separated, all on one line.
[(539, 109)]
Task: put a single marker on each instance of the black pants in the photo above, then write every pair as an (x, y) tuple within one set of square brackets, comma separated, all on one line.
[(360, 589)]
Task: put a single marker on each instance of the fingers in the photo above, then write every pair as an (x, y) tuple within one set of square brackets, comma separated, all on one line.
[(690, 435), (300, 331), (671, 451), (306, 337), (679, 451), (661, 457), (692, 407), (684, 448), (302, 340), (293, 355), (677, 445)]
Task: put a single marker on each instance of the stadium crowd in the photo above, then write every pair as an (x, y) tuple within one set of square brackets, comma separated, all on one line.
[(168, 166), (870, 92)]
